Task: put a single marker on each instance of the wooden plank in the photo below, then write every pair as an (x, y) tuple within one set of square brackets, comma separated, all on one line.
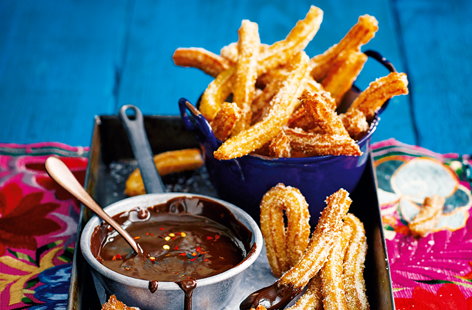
[(57, 67), (152, 81), (438, 47)]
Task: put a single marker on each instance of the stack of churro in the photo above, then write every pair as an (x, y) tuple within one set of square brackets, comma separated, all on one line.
[(255, 102), (330, 267)]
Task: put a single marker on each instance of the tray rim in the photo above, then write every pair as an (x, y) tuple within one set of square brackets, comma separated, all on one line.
[(74, 297)]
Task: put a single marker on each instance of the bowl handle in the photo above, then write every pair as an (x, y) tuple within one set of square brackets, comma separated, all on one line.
[(194, 120)]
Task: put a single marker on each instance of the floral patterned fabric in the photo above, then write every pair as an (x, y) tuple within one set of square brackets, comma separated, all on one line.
[(38, 222), (434, 271)]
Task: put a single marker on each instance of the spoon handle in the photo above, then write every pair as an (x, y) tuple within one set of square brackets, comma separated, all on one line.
[(62, 175)]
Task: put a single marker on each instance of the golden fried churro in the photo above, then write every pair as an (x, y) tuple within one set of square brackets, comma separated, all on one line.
[(225, 120), (291, 283), (332, 272), (325, 235), (361, 33), (216, 93), (246, 72), (353, 265), (340, 76), (379, 91), (281, 107), (355, 123), (321, 108), (114, 304), (202, 59), (282, 51), (301, 119), (166, 163), (316, 144), (427, 219), (230, 51), (312, 298), (284, 245), (280, 146)]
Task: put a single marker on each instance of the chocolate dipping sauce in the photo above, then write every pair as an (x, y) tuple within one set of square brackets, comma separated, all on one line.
[(183, 240), (272, 297)]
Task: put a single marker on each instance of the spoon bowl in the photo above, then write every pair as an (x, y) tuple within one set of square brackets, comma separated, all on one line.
[(64, 177)]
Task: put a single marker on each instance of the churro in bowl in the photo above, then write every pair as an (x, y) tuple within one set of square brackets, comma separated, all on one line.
[(273, 114)]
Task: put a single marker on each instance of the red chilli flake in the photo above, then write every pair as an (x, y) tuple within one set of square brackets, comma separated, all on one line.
[(176, 248), (217, 237), (209, 238), (117, 257), (137, 238), (161, 228)]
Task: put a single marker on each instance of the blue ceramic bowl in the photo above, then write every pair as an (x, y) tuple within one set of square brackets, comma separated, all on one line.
[(243, 181)]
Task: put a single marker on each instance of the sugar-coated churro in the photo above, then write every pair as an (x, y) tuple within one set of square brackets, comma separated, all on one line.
[(331, 274), (284, 245), (353, 265), (282, 106), (246, 72), (166, 163), (202, 59)]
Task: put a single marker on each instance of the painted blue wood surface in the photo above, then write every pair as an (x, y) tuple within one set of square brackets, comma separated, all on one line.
[(61, 62)]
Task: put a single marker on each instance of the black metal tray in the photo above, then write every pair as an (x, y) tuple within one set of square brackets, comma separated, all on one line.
[(111, 160)]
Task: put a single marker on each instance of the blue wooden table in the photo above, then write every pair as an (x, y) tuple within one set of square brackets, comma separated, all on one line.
[(62, 62)]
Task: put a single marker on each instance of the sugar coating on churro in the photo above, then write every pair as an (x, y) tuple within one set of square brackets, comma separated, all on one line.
[(322, 240), (284, 245), (353, 265)]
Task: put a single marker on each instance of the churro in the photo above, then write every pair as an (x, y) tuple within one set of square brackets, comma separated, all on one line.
[(246, 72), (355, 123), (342, 74), (379, 91), (202, 59), (225, 120), (114, 304), (281, 107), (331, 274), (291, 283), (265, 82), (280, 146), (361, 33), (284, 245), (312, 298), (426, 220), (328, 228), (166, 163), (217, 92), (321, 108), (353, 265), (316, 144)]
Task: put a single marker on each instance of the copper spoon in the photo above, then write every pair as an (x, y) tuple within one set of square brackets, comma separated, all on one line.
[(62, 175)]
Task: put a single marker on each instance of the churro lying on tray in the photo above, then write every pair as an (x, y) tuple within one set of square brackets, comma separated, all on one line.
[(291, 283), (114, 304), (284, 245), (166, 163), (330, 270)]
